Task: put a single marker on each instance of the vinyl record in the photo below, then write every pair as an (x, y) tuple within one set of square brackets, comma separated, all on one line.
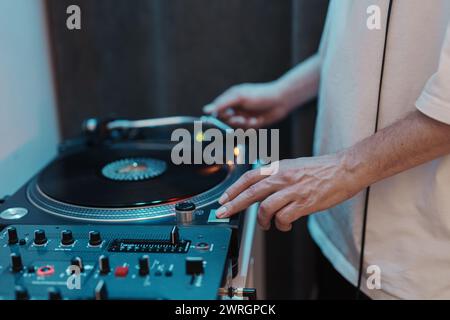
[(125, 176)]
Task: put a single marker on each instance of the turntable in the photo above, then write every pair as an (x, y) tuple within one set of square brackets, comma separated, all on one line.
[(115, 194)]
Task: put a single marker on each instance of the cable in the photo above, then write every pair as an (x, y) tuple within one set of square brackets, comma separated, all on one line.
[(366, 203)]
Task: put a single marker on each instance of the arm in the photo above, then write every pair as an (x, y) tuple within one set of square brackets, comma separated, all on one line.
[(257, 105), (301, 84), (307, 185), (407, 143)]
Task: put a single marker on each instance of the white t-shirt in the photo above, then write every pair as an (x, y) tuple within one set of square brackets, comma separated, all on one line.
[(408, 226)]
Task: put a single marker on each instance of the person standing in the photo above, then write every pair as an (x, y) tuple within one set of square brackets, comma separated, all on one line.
[(378, 184)]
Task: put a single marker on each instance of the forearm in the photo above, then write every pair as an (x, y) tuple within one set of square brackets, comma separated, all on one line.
[(405, 144), (301, 83)]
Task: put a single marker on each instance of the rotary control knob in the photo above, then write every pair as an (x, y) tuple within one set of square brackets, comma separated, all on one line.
[(13, 238), (76, 261), (100, 291), (103, 264), (54, 294), (16, 262), (95, 238), (194, 266), (67, 238), (144, 265), (21, 293), (185, 212), (39, 237)]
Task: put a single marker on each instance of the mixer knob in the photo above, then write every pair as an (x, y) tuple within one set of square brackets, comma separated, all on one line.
[(185, 212), (174, 235), (76, 261), (103, 264), (67, 237), (21, 293), (12, 235), (144, 265), (39, 237), (94, 238), (16, 262), (54, 294), (194, 266), (100, 291)]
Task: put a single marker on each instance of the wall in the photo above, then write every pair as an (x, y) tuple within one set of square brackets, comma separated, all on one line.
[(151, 58), (28, 127)]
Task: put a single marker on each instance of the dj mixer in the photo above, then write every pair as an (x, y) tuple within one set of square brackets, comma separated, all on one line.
[(112, 217)]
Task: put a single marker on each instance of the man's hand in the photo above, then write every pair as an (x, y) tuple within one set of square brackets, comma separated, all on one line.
[(257, 105), (250, 105), (306, 185), (300, 187)]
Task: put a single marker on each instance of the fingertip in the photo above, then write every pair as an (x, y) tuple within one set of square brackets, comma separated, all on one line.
[(224, 212), (209, 108), (253, 121), (221, 212), (237, 120), (224, 198), (229, 112), (283, 227)]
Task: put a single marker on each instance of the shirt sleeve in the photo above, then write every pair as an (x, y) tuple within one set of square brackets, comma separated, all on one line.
[(435, 98)]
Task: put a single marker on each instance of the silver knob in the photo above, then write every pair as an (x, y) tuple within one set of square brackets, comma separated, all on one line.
[(185, 212)]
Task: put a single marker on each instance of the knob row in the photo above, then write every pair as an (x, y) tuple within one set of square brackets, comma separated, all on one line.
[(67, 237), (103, 264), (22, 293)]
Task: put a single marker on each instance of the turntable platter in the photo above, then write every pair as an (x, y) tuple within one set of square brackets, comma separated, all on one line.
[(107, 177), (129, 179)]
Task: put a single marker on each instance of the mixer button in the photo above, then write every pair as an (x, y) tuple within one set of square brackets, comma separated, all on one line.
[(144, 265), (67, 238), (22, 242), (194, 266), (121, 272), (76, 261), (100, 291), (39, 237), (103, 264), (95, 238), (168, 273), (45, 271), (16, 262), (54, 294), (21, 293), (12, 235)]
